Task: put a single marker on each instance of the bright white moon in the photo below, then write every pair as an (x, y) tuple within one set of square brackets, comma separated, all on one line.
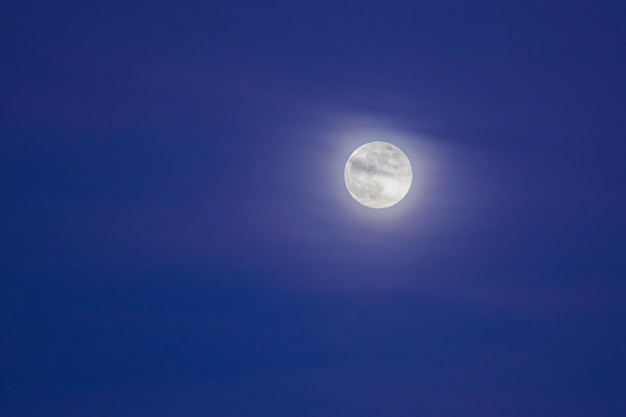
[(378, 175)]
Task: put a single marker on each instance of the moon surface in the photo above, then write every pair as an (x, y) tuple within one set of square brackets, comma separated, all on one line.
[(378, 175)]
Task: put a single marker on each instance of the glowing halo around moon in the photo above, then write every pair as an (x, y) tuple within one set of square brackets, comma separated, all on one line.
[(378, 175)]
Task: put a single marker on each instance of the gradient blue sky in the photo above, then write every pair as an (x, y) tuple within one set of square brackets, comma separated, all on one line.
[(176, 238)]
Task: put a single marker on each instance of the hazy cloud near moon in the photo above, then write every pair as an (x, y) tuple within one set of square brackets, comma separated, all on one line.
[(296, 207)]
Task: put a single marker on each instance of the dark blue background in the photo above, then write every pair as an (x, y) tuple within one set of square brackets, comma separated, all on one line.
[(175, 239)]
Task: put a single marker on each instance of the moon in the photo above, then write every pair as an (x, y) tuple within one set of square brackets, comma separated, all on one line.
[(378, 175)]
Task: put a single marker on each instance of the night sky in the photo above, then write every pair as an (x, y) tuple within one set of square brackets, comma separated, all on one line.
[(176, 238)]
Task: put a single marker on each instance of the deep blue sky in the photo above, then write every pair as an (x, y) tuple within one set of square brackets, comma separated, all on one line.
[(176, 239)]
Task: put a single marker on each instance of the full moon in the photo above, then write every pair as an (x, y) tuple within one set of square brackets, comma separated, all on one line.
[(378, 175)]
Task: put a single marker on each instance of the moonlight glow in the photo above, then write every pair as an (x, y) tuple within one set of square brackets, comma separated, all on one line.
[(378, 175)]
